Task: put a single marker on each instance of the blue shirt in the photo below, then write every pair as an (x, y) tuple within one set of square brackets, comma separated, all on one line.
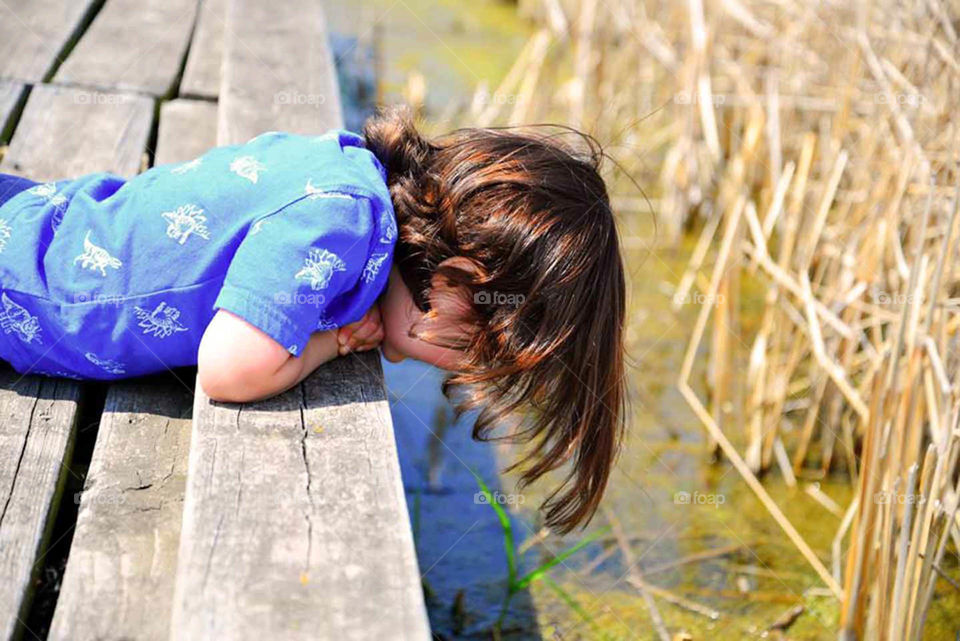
[(106, 278)]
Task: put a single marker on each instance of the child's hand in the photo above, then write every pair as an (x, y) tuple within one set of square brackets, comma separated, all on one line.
[(362, 335)]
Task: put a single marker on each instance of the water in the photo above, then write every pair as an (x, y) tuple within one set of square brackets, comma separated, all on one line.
[(460, 547)]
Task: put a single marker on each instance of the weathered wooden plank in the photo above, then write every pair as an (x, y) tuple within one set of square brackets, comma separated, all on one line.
[(66, 132), (122, 564), (201, 77), (37, 427), (187, 129), (10, 95), (33, 33), (133, 45), (278, 72), (295, 522), (61, 133), (119, 578)]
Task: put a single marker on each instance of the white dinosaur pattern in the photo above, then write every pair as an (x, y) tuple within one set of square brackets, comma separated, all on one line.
[(389, 227), (5, 233), (318, 268), (186, 220), (372, 268), (163, 321), (325, 324), (247, 167), (96, 258), (14, 318), (48, 191), (107, 365), (257, 227), (56, 219)]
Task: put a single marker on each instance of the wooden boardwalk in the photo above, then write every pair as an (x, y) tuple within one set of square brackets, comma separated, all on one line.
[(283, 519)]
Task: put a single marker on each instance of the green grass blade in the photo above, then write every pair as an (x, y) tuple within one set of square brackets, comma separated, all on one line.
[(560, 558), (508, 545)]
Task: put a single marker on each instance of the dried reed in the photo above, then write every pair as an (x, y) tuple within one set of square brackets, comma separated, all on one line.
[(816, 147)]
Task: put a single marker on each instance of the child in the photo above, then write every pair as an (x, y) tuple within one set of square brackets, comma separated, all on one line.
[(495, 252)]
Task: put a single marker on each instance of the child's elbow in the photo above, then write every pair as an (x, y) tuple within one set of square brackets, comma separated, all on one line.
[(230, 374), (226, 385), (228, 379), (214, 387)]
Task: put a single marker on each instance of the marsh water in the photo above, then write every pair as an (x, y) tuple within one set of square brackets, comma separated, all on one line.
[(692, 526), (757, 578)]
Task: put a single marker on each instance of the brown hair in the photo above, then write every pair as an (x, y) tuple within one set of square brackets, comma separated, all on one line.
[(547, 296)]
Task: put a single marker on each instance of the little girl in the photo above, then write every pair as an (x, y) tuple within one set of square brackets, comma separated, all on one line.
[(493, 254)]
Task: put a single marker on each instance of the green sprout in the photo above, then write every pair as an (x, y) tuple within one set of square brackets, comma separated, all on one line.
[(515, 582)]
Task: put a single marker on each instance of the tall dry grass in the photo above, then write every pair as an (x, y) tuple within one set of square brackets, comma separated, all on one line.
[(814, 146)]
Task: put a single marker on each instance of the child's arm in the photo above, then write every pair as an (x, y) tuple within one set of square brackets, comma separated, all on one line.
[(238, 363)]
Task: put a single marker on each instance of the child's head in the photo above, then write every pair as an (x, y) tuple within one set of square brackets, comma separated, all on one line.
[(508, 272)]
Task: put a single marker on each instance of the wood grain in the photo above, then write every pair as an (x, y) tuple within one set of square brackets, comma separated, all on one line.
[(34, 33), (37, 425), (66, 132), (188, 128), (278, 72), (62, 132), (295, 522), (119, 578), (201, 77), (133, 45), (122, 565)]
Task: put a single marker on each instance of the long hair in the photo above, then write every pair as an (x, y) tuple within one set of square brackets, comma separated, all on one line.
[(548, 295)]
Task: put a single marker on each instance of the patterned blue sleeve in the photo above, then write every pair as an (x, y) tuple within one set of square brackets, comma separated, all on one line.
[(316, 264)]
